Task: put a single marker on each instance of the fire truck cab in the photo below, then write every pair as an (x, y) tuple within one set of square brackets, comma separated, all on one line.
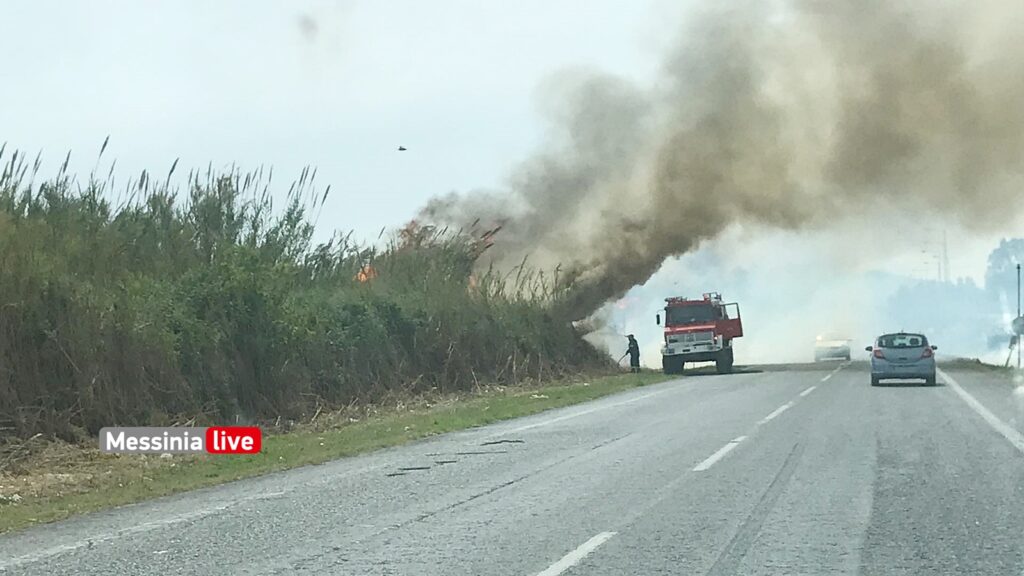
[(700, 331)]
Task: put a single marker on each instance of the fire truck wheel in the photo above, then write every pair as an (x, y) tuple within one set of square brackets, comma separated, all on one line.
[(723, 364), (670, 365)]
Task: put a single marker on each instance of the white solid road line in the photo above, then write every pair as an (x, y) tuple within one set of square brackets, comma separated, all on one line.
[(711, 460), (192, 516), (777, 411), (576, 414), (808, 391), (574, 557), (1003, 428), (137, 529)]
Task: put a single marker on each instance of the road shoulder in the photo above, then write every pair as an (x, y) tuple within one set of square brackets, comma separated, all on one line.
[(65, 480)]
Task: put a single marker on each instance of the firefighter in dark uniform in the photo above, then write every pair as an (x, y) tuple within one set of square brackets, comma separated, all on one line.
[(634, 354)]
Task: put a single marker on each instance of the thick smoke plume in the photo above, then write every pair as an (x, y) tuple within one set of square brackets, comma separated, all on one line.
[(786, 114)]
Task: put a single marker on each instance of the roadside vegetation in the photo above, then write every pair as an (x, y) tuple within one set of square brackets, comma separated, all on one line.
[(148, 305), (60, 479), (977, 365)]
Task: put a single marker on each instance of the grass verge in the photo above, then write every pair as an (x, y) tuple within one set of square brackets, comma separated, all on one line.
[(973, 364), (64, 480)]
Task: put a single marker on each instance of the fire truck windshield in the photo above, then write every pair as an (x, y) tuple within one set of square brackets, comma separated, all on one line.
[(680, 315)]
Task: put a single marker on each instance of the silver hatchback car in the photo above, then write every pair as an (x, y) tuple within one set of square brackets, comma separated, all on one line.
[(902, 356)]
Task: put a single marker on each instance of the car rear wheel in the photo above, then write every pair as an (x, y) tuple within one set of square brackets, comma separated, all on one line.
[(874, 380), (930, 381)]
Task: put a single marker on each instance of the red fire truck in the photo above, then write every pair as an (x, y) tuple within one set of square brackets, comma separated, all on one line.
[(700, 331)]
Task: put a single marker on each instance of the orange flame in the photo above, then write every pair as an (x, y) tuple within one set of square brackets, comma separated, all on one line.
[(366, 274)]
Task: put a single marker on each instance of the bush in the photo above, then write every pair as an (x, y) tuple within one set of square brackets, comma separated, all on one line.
[(217, 310)]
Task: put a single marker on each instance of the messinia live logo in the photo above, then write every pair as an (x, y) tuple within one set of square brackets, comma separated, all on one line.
[(178, 440)]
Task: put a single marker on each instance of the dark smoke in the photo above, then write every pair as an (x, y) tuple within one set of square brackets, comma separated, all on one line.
[(786, 114)]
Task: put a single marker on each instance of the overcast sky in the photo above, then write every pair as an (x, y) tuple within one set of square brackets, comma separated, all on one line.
[(337, 85)]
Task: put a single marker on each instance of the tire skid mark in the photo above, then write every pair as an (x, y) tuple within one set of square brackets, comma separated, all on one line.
[(728, 561)]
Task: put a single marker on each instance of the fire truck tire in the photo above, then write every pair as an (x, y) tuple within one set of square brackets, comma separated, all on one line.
[(723, 364), (670, 365)]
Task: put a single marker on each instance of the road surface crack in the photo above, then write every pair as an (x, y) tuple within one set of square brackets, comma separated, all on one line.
[(323, 555), (506, 441)]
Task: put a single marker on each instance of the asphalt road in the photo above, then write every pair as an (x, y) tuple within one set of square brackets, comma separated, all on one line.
[(808, 471)]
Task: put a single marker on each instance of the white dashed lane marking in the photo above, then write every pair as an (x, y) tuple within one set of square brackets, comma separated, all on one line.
[(714, 458), (573, 558), (777, 411), (833, 373), (711, 460)]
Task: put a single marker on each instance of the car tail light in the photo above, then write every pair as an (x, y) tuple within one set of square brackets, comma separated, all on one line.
[(927, 353), (878, 353)]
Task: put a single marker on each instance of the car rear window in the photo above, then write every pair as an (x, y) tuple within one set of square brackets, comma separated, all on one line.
[(902, 341)]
